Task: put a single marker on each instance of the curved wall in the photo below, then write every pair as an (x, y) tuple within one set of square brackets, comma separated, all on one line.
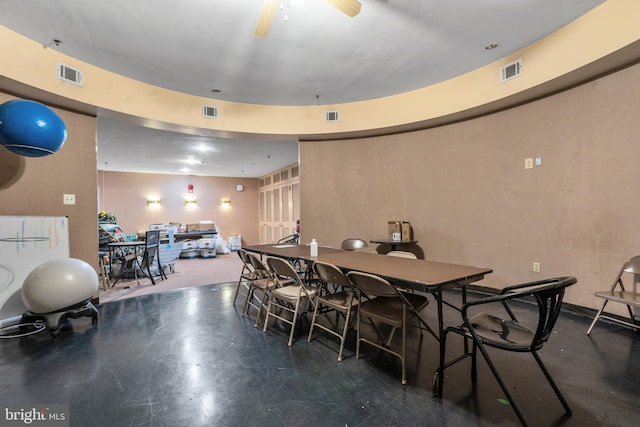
[(470, 200)]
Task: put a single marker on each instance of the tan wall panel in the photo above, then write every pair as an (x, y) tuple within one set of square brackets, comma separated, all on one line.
[(470, 200)]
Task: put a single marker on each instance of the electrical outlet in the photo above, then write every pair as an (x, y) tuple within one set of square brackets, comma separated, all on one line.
[(536, 267), (538, 162), (528, 163), (69, 199)]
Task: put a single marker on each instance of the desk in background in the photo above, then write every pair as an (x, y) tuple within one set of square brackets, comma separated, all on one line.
[(124, 254), (393, 243)]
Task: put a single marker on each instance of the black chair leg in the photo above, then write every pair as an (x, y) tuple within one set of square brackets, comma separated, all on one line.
[(552, 383), (503, 386)]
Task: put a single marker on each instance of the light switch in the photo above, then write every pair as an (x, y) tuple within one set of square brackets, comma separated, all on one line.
[(528, 163)]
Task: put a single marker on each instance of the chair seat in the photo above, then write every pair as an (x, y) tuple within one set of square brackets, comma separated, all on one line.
[(624, 297), (339, 300), (417, 301), (628, 294), (291, 292), (502, 333), (390, 311), (263, 284), (389, 306)]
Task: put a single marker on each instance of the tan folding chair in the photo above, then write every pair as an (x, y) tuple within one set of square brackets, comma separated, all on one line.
[(402, 254), (263, 281), (247, 274), (352, 244), (339, 297), (287, 295), (367, 250), (618, 293), (380, 301)]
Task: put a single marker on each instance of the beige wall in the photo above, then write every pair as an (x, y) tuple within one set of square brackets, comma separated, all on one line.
[(125, 195), (470, 200), (34, 186)]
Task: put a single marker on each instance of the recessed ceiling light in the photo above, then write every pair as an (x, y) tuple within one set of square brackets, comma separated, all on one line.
[(203, 147), (491, 46), (192, 161)]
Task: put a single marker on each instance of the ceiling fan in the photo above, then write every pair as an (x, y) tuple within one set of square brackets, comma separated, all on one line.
[(348, 7)]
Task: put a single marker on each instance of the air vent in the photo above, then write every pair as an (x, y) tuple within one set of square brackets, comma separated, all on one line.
[(69, 74), (511, 71), (209, 111), (331, 116)]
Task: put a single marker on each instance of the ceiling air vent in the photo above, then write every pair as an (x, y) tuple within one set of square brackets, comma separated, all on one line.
[(69, 74), (511, 71), (209, 111), (331, 116)]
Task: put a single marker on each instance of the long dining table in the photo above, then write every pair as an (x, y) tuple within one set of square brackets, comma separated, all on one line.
[(420, 275)]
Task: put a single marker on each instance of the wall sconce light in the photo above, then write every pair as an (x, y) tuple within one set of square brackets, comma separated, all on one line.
[(153, 202), (225, 202), (190, 202)]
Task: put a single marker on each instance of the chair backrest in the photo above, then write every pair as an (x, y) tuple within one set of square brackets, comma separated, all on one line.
[(151, 248), (548, 295), (631, 266), (293, 238), (367, 250), (283, 269), (402, 254), (246, 262), (329, 273), (372, 285), (152, 239), (353, 244), (244, 257), (258, 266)]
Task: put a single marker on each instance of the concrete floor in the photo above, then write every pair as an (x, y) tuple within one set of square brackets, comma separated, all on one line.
[(188, 357)]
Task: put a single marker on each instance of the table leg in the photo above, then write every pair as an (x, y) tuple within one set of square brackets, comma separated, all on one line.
[(437, 380)]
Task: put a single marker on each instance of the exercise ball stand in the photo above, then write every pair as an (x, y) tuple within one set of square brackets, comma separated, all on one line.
[(58, 290), (55, 320)]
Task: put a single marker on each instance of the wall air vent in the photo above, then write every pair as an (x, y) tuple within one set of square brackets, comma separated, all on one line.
[(209, 111), (331, 116), (69, 74), (511, 71)]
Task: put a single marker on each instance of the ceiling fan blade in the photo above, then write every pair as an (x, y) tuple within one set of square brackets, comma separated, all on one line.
[(348, 7), (269, 9)]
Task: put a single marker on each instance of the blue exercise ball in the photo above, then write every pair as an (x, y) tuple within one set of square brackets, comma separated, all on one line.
[(31, 129)]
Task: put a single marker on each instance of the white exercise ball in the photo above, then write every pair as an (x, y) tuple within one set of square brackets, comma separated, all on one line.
[(59, 284)]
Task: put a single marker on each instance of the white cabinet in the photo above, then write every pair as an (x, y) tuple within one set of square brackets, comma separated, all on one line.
[(279, 204)]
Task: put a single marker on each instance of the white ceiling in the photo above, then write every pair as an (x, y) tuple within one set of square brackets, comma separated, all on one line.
[(317, 56)]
